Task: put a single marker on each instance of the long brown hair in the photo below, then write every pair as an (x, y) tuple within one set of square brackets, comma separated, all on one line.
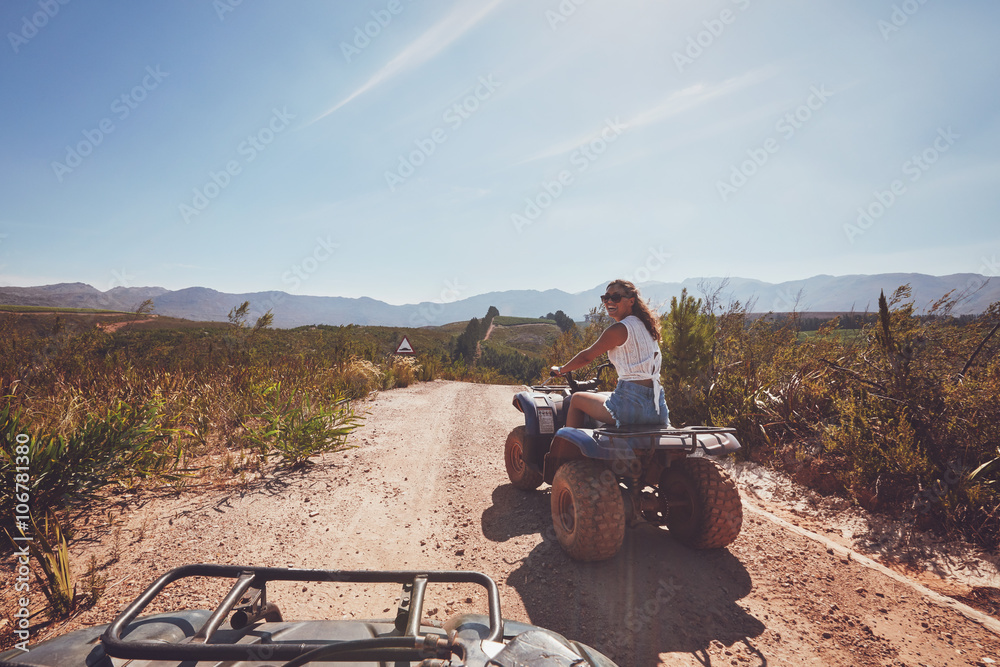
[(640, 309)]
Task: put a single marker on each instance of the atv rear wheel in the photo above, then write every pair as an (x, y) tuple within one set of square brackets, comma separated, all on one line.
[(587, 510), (520, 474), (705, 511)]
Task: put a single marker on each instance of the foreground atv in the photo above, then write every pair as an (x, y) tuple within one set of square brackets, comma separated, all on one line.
[(604, 478), (256, 634)]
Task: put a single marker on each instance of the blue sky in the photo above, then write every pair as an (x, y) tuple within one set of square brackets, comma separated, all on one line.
[(429, 151)]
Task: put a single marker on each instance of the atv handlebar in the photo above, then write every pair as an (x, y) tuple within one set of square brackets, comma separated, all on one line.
[(582, 385)]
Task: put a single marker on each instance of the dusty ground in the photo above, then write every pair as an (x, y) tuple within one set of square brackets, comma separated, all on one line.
[(426, 488), (115, 326)]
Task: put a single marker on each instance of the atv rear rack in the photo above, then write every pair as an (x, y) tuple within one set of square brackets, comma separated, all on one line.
[(712, 439), (248, 599)]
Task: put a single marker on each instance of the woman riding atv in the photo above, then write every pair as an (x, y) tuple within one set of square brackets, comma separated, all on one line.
[(633, 347)]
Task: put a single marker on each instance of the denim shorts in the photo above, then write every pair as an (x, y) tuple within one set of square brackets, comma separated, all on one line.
[(632, 403)]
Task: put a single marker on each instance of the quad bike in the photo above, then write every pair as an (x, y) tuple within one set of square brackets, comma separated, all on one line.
[(256, 634), (606, 478)]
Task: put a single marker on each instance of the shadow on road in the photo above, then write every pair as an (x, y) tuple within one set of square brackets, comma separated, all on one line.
[(654, 596), (514, 512)]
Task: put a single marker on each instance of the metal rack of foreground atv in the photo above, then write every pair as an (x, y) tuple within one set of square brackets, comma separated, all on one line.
[(257, 636), (247, 600)]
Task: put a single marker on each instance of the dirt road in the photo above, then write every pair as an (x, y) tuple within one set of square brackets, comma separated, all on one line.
[(426, 488)]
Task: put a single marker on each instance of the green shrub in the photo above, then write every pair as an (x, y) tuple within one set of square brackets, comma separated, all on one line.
[(50, 549), (295, 428), (123, 443), (919, 425), (520, 368), (360, 377), (401, 371), (687, 349)]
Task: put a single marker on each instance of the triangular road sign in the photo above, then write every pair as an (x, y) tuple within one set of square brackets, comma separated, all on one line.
[(405, 347)]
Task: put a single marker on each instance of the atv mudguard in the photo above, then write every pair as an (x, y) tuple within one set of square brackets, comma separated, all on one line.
[(529, 403), (570, 444), (538, 433)]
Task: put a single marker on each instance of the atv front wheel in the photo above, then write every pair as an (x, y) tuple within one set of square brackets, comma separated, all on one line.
[(587, 510), (520, 474), (704, 507)]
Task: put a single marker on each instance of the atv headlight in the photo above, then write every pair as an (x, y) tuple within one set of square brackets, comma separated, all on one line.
[(546, 421)]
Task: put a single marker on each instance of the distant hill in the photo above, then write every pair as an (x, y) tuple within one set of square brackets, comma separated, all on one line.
[(817, 294), (824, 293)]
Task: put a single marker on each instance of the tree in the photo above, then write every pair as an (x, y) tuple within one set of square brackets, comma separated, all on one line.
[(238, 318), (242, 333), (465, 344), (688, 341), (562, 320)]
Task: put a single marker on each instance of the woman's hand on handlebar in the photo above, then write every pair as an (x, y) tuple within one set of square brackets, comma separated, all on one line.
[(555, 371)]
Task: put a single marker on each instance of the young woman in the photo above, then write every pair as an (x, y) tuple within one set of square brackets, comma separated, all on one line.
[(633, 347)]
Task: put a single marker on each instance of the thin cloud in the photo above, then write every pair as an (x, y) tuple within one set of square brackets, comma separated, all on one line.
[(562, 147), (695, 96), (674, 104), (192, 267), (435, 40)]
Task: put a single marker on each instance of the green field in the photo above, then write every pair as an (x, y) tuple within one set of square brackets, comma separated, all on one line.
[(453, 328), (508, 321), (534, 338)]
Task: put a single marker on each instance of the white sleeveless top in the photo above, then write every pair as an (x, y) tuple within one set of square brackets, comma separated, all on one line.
[(638, 358)]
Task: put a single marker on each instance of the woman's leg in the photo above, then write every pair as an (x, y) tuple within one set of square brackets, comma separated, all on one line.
[(584, 403)]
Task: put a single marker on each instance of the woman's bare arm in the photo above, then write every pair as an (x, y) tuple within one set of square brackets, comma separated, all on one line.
[(612, 337)]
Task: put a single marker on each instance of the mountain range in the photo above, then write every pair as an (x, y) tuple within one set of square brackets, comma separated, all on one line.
[(819, 294)]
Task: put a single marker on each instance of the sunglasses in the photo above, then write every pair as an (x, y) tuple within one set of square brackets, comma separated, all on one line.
[(613, 298)]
